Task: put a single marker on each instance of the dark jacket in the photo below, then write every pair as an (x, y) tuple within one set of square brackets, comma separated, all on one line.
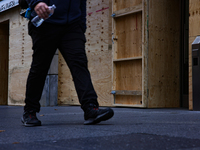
[(66, 12)]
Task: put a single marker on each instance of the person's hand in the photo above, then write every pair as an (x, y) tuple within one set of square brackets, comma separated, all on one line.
[(42, 10)]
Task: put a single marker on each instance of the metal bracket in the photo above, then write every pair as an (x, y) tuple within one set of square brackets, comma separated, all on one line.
[(114, 94), (113, 15), (113, 38)]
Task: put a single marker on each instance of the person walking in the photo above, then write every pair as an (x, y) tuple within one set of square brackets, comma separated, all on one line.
[(64, 30)]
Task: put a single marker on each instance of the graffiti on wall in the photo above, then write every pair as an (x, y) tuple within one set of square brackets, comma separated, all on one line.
[(7, 4)]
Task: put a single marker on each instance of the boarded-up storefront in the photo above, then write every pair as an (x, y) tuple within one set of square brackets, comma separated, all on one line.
[(137, 52)]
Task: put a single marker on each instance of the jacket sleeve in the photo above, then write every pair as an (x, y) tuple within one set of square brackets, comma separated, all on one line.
[(33, 3), (83, 13)]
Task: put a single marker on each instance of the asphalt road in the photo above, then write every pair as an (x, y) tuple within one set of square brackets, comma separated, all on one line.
[(129, 129)]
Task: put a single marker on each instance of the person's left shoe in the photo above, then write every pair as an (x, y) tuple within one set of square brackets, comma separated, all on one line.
[(94, 115), (29, 119)]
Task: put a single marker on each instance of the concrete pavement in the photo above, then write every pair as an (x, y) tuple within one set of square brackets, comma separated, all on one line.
[(129, 129)]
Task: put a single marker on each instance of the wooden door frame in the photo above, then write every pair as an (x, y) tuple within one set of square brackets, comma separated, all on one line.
[(5, 52), (144, 8)]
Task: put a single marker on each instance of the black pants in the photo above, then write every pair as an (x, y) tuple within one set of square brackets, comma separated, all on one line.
[(70, 40)]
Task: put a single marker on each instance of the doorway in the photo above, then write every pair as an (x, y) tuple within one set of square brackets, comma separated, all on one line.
[(4, 50), (184, 54)]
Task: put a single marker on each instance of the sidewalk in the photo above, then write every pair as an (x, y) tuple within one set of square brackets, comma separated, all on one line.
[(129, 129)]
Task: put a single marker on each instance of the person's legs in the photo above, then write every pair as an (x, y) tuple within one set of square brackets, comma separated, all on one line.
[(72, 47), (44, 47)]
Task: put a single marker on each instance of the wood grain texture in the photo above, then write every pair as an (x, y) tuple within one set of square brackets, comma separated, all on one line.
[(127, 51), (133, 100), (163, 54), (99, 55), (191, 40), (122, 4), (127, 11), (129, 35), (129, 77)]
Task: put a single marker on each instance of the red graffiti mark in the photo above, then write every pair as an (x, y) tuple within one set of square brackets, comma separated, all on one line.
[(102, 9), (98, 10)]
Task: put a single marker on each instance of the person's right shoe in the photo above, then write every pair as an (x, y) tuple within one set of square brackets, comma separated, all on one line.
[(29, 119), (94, 115)]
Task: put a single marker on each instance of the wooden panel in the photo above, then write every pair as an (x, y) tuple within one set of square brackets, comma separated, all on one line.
[(145, 46), (191, 39), (126, 59), (98, 50), (4, 43), (20, 55), (17, 85), (99, 55), (121, 4), (194, 17), (127, 11), (194, 25), (163, 54), (127, 50), (129, 75), (129, 36), (128, 99)]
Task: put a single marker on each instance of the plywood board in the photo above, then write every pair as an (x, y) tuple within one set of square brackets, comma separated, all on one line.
[(194, 15), (128, 100), (128, 77), (191, 39), (17, 85), (194, 25), (145, 47), (121, 4), (127, 51), (163, 54), (129, 36), (99, 55), (20, 55)]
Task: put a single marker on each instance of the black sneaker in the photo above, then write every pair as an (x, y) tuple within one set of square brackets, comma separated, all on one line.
[(94, 115), (29, 119)]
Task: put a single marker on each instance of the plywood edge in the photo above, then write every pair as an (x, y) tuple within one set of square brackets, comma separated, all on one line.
[(191, 39), (127, 59), (127, 11), (114, 47), (125, 105), (145, 18)]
